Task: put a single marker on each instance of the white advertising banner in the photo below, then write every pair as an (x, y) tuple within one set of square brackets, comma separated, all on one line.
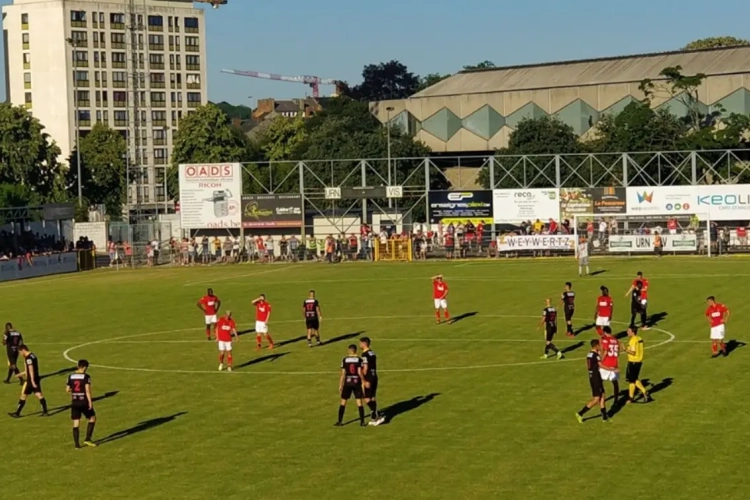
[(719, 201), (512, 206), (628, 243), (210, 195), (663, 200), (541, 242), (40, 266)]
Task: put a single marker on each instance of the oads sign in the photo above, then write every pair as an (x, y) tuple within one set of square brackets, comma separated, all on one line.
[(645, 243)]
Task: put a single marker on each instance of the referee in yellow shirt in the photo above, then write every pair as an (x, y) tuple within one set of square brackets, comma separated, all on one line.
[(635, 362)]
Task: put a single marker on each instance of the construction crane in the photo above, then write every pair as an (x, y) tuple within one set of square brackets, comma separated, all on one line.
[(313, 82), (214, 3)]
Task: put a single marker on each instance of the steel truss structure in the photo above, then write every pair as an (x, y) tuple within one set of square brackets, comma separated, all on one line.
[(417, 176)]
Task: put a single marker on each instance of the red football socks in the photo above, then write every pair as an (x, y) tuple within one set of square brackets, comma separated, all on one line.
[(259, 340), (447, 316), (229, 360), (437, 314), (221, 358), (270, 341), (723, 347), (714, 348)]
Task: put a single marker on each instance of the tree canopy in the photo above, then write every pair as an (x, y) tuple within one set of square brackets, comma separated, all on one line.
[(715, 42)]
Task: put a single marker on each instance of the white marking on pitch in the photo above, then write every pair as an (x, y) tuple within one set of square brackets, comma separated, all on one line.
[(66, 354)]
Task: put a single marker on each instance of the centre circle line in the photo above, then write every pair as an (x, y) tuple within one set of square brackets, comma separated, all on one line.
[(115, 340)]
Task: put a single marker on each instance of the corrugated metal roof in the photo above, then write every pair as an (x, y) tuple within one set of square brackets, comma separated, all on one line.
[(612, 70)]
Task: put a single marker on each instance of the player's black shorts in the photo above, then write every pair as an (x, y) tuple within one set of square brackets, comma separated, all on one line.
[(28, 389), (312, 323), (569, 312), (12, 357), (81, 409), (597, 387), (372, 391), (551, 331), (633, 371), (348, 390), (636, 308)]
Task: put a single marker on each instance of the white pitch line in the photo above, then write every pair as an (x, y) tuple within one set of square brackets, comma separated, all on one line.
[(66, 355), (236, 276)]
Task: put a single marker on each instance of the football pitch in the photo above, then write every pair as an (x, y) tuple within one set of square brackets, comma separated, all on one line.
[(473, 413)]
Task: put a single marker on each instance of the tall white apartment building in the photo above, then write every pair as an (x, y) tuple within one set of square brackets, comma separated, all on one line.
[(138, 66)]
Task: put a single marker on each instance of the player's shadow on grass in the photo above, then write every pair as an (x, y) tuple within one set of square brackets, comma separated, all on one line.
[(572, 348), (406, 406), (597, 273), (657, 387), (460, 317), (291, 341), (584, 329), (342, 338), (654, 319), (143, 426), (245, 332), (62, 371), (60, 409), (733, 345), (269, 357)]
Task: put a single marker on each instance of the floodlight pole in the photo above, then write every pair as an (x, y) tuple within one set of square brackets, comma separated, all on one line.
[(388, 137)]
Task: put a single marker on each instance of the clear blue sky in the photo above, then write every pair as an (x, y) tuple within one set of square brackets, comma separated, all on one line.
[(335, 40)]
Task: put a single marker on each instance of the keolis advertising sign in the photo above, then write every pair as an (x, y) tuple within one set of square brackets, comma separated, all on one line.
[(210, 195), (272, 210), (460, 206), (722, 202), (630, 243)]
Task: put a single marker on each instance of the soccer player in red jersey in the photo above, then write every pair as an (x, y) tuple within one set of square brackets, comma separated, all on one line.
[(225, 330), (440, 296), (604, 310), (210, 305), (644, 294), (262, 315), (717, 315), (610, 352)]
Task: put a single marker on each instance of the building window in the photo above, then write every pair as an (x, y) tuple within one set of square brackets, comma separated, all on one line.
[(155, 23), (160, 175), (119, 60), (193, 63), (81, 59), (118, 40), (159, 193), (119, 99), (24, 21), (81, 78), (25, 40), (27, 98), (121, 118), (156, 61), (80, 39), (119, 79), (193, 81), (193, 99), (117, 21), (98, 116), (158, 99), (156, 42), (78, 18), (192, 44), (26, 60), (82, 98), (84, 118), (27, 80), (191, 25), (159, 118), (157, 80)]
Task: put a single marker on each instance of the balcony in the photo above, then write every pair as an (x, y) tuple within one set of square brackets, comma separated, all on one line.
[(84, 123), (171, 47), (156, 65), (118, 45), (153, 27), (121, 123), (193, 104), (160, 161), (192, 48), (159, 123), (191, 30), (120, 104), (104, 64), (158, 85), (174, 66), (81, 83), (80, 64), (160, 142), (81, 44), (194, 86), (24, 26), (119, 64), (84, 104), (26, 45), (96, 44), (27, 105), (78, 24), (27, 85), (158, 104), (156, 46), (176, 85), (193, 67), (27, 65), (117, 26), (119, 84)]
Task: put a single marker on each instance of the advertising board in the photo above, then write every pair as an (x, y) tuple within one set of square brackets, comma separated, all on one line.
[(627, 243), (43, 265), (513, 206), (210, 195), (460, 206), (272, 210), (542, 242)]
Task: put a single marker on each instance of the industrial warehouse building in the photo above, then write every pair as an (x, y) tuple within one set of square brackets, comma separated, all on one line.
[(475, 111)]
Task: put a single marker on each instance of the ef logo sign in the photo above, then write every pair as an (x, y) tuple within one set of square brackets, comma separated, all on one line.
[(459, 196)]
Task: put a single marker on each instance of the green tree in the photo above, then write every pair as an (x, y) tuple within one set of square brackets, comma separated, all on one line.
[(481, 65), (103, 169), (283, 138), (385, 81), (682, 88), (205, 136), (715, 42), (240, 111), (28, 157), (638, 127)]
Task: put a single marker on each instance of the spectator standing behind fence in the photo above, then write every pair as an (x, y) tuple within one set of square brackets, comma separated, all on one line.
[(271, 249), (294, 248), (742, 236)]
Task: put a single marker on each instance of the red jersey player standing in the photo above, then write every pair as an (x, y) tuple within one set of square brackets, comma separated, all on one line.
[(717, 315), (610, 352), (440, 296), (604, 310), (644, 294), (210, 305), (225, 330), (262, 314)]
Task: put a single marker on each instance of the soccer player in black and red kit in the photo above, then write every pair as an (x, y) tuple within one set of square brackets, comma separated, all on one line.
[(568, 303)]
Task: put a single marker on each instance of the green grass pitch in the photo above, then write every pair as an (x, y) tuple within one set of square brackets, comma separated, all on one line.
[(474, 412)]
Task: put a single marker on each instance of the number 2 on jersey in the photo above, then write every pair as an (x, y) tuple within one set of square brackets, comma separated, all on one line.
[(77, 386)]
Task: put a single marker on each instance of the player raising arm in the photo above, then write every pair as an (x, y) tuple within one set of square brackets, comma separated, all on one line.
[(717, 315), (210, 305), (641, 281), (226, 329), (262, 315), (604, 309), (440, 297)]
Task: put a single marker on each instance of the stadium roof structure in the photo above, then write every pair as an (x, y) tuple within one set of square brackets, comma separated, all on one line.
[(590, 72)]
